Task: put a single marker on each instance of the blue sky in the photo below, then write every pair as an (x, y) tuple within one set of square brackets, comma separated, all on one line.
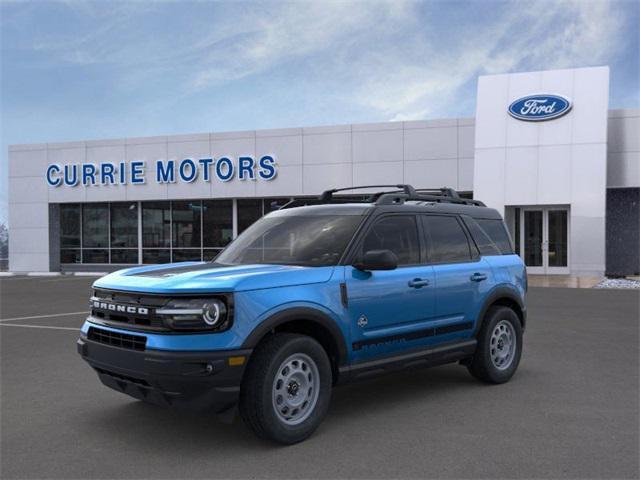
[(84, 70)]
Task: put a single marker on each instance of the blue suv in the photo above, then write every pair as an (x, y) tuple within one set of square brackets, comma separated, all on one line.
[(312, 296)]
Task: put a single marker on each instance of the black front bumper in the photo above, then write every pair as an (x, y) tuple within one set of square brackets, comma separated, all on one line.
[(196, 380)]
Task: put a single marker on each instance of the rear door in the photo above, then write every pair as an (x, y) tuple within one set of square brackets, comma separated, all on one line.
[(462, 278), (390, 310)]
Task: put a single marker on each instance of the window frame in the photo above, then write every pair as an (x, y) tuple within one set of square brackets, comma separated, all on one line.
[(474, 253)]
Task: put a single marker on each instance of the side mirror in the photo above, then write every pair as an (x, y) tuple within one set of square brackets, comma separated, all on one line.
[(377, 260)]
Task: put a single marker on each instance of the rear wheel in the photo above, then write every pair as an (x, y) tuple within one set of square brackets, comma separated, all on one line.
[(287, 387), (499, 346)]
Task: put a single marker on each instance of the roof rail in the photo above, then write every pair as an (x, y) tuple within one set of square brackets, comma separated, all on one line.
[(399, 198), (327, 195), (441, 195), (446, 191)]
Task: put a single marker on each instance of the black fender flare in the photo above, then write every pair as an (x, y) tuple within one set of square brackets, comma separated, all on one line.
[(300, 313), (500, 293)]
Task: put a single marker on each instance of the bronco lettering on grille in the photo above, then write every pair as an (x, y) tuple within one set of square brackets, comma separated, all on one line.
[(113, 307)]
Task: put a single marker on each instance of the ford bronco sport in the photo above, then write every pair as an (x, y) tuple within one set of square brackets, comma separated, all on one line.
[(312, 296)]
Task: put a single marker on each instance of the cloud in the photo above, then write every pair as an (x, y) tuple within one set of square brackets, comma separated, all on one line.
[(155, 63), (296, 30), (391, 57), (529, 36), (92, 34)]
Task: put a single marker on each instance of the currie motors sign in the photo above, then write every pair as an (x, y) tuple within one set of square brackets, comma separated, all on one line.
[(536, 108), (188, 170)]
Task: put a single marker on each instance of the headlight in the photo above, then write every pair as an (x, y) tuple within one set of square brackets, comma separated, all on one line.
[(195, 314), (213, 313)]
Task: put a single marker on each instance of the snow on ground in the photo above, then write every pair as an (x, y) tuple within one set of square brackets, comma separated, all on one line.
[(618, 283)]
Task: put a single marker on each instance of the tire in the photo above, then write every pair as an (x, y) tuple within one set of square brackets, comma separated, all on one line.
[(286, 389), (501, 330)]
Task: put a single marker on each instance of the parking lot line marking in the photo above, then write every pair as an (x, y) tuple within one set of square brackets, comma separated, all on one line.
[(42, 316), (42, 279), (64, 279), (19, 279), (38, 326)]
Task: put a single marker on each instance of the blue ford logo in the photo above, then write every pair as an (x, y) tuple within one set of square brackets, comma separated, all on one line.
[(535, 108)]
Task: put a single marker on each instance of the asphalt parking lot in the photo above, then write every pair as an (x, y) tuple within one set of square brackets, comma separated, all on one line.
[(571, 411)]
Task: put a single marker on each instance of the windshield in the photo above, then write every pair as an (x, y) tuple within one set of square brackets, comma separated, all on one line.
[(314, 240)]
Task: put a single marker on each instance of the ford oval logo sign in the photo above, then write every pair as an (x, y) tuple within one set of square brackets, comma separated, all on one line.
[(536, 108)]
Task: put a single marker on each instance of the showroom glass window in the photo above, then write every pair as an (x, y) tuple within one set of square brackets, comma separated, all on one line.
[(70, 233), (156, 232), (249, 210), (217, 226), (186, 231), (170, 230), (95, 233), (273, 204), (124, 232)]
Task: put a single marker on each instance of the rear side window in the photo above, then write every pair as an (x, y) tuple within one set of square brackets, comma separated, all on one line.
[(397, 233), (497, 232), (485, 244), (446, 240)]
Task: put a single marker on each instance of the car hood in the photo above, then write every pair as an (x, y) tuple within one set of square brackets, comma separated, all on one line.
[(196, 277)]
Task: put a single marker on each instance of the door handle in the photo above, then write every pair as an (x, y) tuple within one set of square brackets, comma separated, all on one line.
[(478, 277), (418, 283)]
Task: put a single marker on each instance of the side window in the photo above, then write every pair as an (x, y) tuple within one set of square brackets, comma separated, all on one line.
[(497, 232), (397, 233), (446, 239), (484, 243)]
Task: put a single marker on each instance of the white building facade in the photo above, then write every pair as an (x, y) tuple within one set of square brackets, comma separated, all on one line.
[(544, 149)]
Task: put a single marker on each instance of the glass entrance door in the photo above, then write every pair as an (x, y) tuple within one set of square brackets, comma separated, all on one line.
[(544, 239), (533, 239), (557, 245)]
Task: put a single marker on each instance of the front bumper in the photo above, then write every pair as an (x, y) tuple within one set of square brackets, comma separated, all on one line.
[(202, 380)]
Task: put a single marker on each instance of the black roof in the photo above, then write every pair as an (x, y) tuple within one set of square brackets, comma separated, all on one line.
[(402, 198)]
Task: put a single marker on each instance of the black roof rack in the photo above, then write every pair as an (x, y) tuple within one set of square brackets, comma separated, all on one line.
[(402, 193), (406, 193), (327, 195)]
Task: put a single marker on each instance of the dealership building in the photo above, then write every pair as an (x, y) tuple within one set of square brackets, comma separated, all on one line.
[(544, 149)]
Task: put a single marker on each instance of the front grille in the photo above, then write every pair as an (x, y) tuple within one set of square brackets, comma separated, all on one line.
[(116, 339), (137, 311), (129, 319)]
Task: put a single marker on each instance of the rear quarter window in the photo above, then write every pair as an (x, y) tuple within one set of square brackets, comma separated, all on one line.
[(490, 235)]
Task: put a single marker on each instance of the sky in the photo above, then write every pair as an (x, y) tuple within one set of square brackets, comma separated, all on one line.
[(74, 70)]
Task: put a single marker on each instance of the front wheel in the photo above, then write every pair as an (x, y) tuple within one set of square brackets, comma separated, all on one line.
[(499, 346), (287, 387)]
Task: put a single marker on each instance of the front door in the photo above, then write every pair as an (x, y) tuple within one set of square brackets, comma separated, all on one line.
[(544, 239), (391, 310)]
